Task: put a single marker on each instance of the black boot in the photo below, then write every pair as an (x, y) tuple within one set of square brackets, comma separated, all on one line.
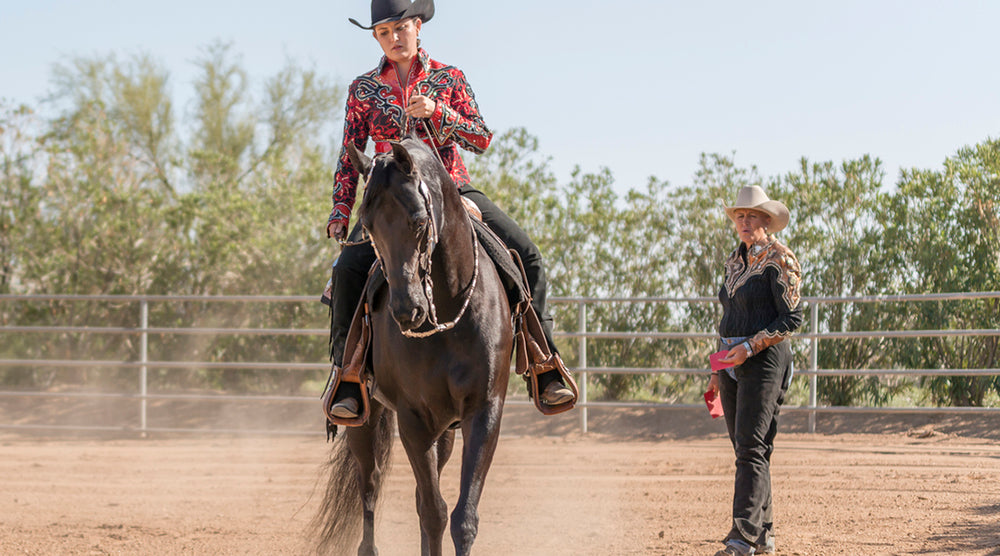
[(347, 397), (349, 278), (531, 258)]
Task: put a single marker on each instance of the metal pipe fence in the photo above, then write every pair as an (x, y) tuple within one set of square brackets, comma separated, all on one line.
[(583, 335)]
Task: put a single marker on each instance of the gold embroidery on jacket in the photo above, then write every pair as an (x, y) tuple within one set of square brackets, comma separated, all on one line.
[(766, 338), (760, 257)]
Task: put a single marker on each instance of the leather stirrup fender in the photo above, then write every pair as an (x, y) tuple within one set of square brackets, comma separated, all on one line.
[(356, 358), (533, 359), (532, 356)]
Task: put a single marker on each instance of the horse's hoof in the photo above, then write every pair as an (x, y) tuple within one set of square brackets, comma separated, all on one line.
[(556, 393)]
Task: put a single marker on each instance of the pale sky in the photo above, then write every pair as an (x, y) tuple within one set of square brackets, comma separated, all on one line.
[(640, 87)]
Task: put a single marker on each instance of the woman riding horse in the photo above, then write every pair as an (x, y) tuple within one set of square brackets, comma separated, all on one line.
[(430, 383), (408, 92)]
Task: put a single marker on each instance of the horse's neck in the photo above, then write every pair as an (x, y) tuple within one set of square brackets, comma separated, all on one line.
[(454, 255)]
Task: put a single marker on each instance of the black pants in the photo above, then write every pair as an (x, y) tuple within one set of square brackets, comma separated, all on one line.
[(751, 405), (355, 261)]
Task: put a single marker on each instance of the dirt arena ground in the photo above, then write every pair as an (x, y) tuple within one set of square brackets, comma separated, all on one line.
[(639, 483)]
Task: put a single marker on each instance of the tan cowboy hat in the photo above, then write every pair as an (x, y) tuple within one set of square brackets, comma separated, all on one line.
[(753, 197)]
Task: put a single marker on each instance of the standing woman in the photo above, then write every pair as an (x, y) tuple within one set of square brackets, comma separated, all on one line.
[(408, 92), (760, 310)]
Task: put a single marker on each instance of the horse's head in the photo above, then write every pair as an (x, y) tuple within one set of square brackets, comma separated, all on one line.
[(401, 211)]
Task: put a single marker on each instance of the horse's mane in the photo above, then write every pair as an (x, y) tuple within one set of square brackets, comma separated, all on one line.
[(413, 144)]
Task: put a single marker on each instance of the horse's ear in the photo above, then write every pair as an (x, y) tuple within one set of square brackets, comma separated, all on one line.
[(359, 160), (402, 158)]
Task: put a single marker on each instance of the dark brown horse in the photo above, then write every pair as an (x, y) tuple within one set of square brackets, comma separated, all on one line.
[(433, 376)]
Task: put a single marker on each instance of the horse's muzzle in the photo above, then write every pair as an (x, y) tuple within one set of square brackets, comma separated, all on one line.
[(408, 315)]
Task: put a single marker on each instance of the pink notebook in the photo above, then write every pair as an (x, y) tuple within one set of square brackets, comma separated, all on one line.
[(711, 399), (714, 404), (716, 364)]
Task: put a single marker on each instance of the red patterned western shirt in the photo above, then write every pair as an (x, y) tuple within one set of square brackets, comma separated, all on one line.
[(375, 108)]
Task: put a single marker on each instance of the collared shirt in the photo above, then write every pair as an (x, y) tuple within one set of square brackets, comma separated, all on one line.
[(376, 103), (761, 294)]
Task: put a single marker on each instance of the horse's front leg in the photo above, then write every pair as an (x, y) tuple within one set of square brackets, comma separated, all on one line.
[(367, 443), (480, 434), (445, 445), (422, 449)]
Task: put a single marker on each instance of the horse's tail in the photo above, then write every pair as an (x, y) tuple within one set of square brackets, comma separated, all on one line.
[(337, 524)]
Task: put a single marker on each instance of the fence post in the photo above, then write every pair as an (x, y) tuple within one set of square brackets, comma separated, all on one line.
[(143, 358), (582, 347), (813, 364)]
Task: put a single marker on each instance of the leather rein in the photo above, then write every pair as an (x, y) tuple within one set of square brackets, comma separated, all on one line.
[(429, 239), (425, 246), (430, 233)]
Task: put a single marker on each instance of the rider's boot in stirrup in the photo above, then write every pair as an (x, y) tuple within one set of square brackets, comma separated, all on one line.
[(553, 390), (347, 397)]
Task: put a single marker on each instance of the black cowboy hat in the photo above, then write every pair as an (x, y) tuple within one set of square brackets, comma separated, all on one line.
[(384, 11)]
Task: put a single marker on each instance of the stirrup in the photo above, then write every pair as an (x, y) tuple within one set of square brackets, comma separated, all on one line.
[(356, 356), (347, 408), (534, 359), (532, 356), (565, 393), (553, 363), (337, 376)]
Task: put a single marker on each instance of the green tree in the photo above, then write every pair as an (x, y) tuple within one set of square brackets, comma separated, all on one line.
[(836, 235), (114, 196), (260, 188), (111, 197), (595, 244), (19, 198), (945, 227)]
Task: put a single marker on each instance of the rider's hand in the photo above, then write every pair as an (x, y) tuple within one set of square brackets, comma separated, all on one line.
[(420, 106), (336, 229), (736, 356)]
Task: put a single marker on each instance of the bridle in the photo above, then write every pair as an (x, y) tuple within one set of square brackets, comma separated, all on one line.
[(426, 242), (366, 236), (429, 239), (430, 233)]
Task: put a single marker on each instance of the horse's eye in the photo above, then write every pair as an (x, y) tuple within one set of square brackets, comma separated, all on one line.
[(418, 226)]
